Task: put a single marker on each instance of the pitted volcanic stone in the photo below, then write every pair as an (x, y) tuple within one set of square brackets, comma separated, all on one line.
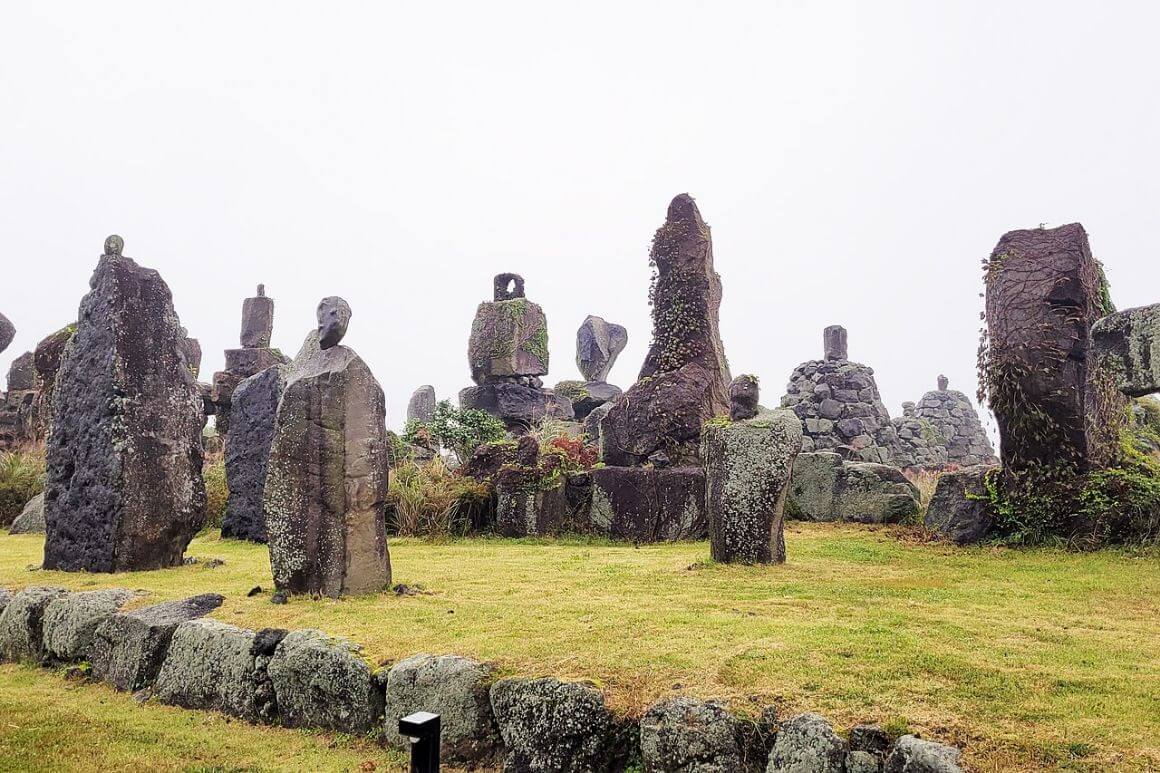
[(421, 406), (321, 682), (70, 622), (959, 509), (684, 735), (807, 744), (253, 411), (646, 504), (211, 666), (598, 344), (22, 623), (7, 332), (912, 754)]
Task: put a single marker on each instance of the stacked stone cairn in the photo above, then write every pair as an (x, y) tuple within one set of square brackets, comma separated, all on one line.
[(956, 425), (508, 353), (918, 445), (653, 484), (748, 461), (124, 488), (254, 356), (326, 479), (839, 406), (249, 413), (598, 344)]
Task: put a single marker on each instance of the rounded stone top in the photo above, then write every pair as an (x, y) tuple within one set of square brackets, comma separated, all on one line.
[(333, 319), (507, 286), (114, 244), (744, 394)]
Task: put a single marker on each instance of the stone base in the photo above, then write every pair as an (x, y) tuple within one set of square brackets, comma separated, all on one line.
[(648, 505), (519, 407), (826, 488), (587, 396), (522, 512)]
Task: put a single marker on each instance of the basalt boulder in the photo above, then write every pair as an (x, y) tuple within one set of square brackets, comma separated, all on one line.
[(253, 411), (807, 743), (22, 623), (824, 487), (421, 406), (124, 488), (1128, 344), (519, 406), (31, 518), (684, 735), (509, 339), (321, 682), (598, 344), (645, 504), (212, 666), (71, 621), (959, 510)]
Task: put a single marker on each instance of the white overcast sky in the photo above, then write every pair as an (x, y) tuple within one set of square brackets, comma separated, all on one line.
[(855, 161)]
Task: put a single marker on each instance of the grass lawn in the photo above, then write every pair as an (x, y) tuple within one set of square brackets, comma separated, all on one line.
[(1027, 659)]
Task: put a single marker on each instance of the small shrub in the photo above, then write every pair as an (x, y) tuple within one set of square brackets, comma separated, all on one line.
[(430, 500), (460, 431), (21, 478), (216, 491)]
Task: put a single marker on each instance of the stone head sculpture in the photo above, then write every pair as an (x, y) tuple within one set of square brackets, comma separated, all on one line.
[(743, 396), (943, 383), (508, 286), (908, 409), (333, 319), (114, 244)]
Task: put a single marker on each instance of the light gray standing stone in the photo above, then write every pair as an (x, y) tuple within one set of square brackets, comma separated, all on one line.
[(31, 518), (456, 689), (129, 647), (913, 755), (684, 735), (549, 726), (22, 623), (421, 406), (210, 665), (320, 681), (71, 622), (598, 344), (1128, 342), (807, 744)]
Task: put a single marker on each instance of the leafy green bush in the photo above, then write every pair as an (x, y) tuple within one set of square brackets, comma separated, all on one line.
[(21, 478), (458, 430)]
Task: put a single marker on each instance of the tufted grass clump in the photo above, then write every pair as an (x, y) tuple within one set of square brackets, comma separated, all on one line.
[(216, 491), (21, 478), (431, 501)]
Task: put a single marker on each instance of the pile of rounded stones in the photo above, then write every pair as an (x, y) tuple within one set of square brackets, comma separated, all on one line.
[(172, 653)]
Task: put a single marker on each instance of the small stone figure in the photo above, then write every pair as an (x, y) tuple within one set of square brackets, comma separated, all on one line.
[(508, 287), (257, 320), (743, 396), (834, 343), (943, 383), (114, 244), (333, 319)]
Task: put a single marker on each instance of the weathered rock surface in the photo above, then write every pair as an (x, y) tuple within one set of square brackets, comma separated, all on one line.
[(683, 735), (917, 443), (685, 378), (914, 755), (956, 425), (22, 623), (211, 666), (646, 504), (22, 373), (1044, 291), (31, 518), (959, 510), (19, 408), (523, 509), (191, 350), (840, 408), (47, 359), (253, 411), (124, 488), (1128, 343), (586, 396), (257, 320), (421, 406), (825, 487), (455, 688), (807, 744), (549, 726), (5, 597), (747, 472), (129, 647), (509, 339), (326, 481), (598, 344), (518, 406), (7, 332), (320, 682), (70, 622)]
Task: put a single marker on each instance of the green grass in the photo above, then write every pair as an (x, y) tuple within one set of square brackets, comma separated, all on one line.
[(1028, 659)]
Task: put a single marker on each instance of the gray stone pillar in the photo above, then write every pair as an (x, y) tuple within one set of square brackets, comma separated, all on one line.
[(834, 341)]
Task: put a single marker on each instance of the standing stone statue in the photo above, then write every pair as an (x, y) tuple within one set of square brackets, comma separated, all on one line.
[(253, 412), (421, 406), (685, 378), (747, 469), (123, 489), (1044, 290), (7, 332), (326, 481), (257, 320), (834, 343)]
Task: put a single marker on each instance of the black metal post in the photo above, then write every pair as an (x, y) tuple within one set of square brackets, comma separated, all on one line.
[(423, 729)]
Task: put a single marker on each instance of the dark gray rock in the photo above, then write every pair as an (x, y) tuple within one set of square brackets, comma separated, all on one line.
[(421, 406), (7, 332), (1128, 344), (455, 688), (834, 343), (319, 681), (518, 406), (124, 488), (959, 510), (326, 481), (70, 622), (598, 344), (211, 666), (253, 412), (509, 339), (47, 357), (191, 350), (747, 472), (31, 518), (807, 744), (22, 373), (645, 504), (22, 623), (869, 738), (824, 487), (684, 735), (914, 755), (333, 319), (523, 509), (549, 726), (744, 395), (129, 647), (586, 396), (5, 597), (257, 320)]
